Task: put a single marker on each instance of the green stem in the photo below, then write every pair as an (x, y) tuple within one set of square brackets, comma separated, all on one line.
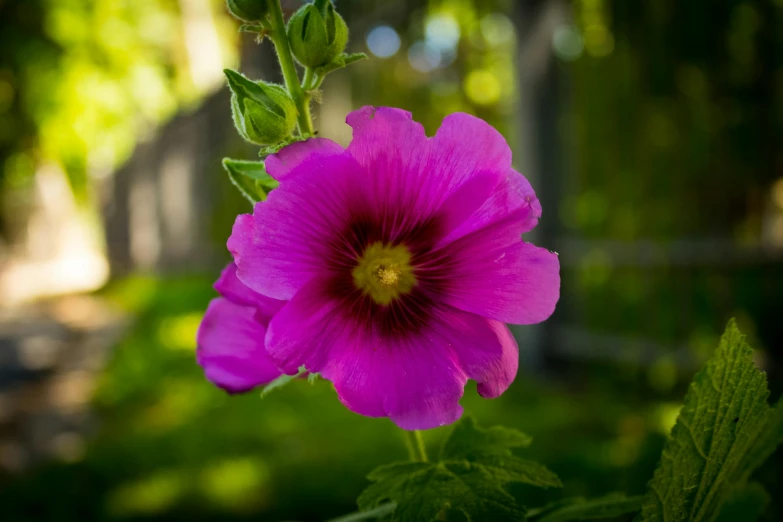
[(280, 39), (415, 444), (307, 81)]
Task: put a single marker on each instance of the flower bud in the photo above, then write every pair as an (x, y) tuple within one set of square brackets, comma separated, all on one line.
[(264, 113), (248, 10), (317, 34)]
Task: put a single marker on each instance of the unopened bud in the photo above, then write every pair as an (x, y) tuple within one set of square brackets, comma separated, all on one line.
[(264, 113), (317, 33)]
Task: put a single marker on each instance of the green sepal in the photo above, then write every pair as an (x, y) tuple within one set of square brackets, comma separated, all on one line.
[(248, 10), (251, 178), (263, 112), (252, 28), (281, 381), (317, 34), (344, 60), (274, 149)]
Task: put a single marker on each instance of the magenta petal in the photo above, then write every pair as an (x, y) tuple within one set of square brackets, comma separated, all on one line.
[(418, 379), (279, 165), (465, 145), (230, 287), (497, 375), (231, 347), (291, 236), (463, 202), (305, 329), (415, 380), (384, 134), (494, 274), (513, 195)]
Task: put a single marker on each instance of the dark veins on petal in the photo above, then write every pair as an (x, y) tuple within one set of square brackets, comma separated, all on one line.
[(409, 313)]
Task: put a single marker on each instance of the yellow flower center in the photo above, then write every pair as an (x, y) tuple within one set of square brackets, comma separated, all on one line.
[(384, 272)]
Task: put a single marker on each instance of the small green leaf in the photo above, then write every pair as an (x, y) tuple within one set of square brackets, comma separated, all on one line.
[(725, 430), (388, 482), (250, 178), (567, 510), (746, 504), (477, 465), (280, 382), (348, 59), (427, 491), (467, 440), (513, 469), (341, 61)]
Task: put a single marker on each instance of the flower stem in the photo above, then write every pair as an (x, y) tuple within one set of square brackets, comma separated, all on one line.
[(307, 80), (415, 445), (280, 39)]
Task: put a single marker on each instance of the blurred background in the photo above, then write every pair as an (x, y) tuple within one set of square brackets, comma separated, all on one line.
[(651, 131)]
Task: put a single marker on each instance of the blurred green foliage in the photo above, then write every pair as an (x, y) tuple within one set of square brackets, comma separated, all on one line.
[(676, 122), (170, 446), (82, 80)]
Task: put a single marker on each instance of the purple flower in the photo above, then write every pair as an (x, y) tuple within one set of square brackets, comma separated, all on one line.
[(231, 336), (400, 258)]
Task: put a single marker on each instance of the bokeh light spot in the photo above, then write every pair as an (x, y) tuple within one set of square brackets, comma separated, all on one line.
[(442, 32), (497, 29), (598, 40), (235, 483), (148, 496), (482, 87), (567, 42), (179, 333), (383, 41), (424, 57)]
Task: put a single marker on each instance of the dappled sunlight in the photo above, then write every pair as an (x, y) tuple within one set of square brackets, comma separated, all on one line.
[(148, 496), (179, 333)]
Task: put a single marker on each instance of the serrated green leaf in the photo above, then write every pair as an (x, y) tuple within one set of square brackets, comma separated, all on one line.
[(746, 504), (604, 508), (724, 431), (468, 441), (250, 178), (506, 469), (280, 382), (387, 483), (430, 493), (425, 491), (470, 479)]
